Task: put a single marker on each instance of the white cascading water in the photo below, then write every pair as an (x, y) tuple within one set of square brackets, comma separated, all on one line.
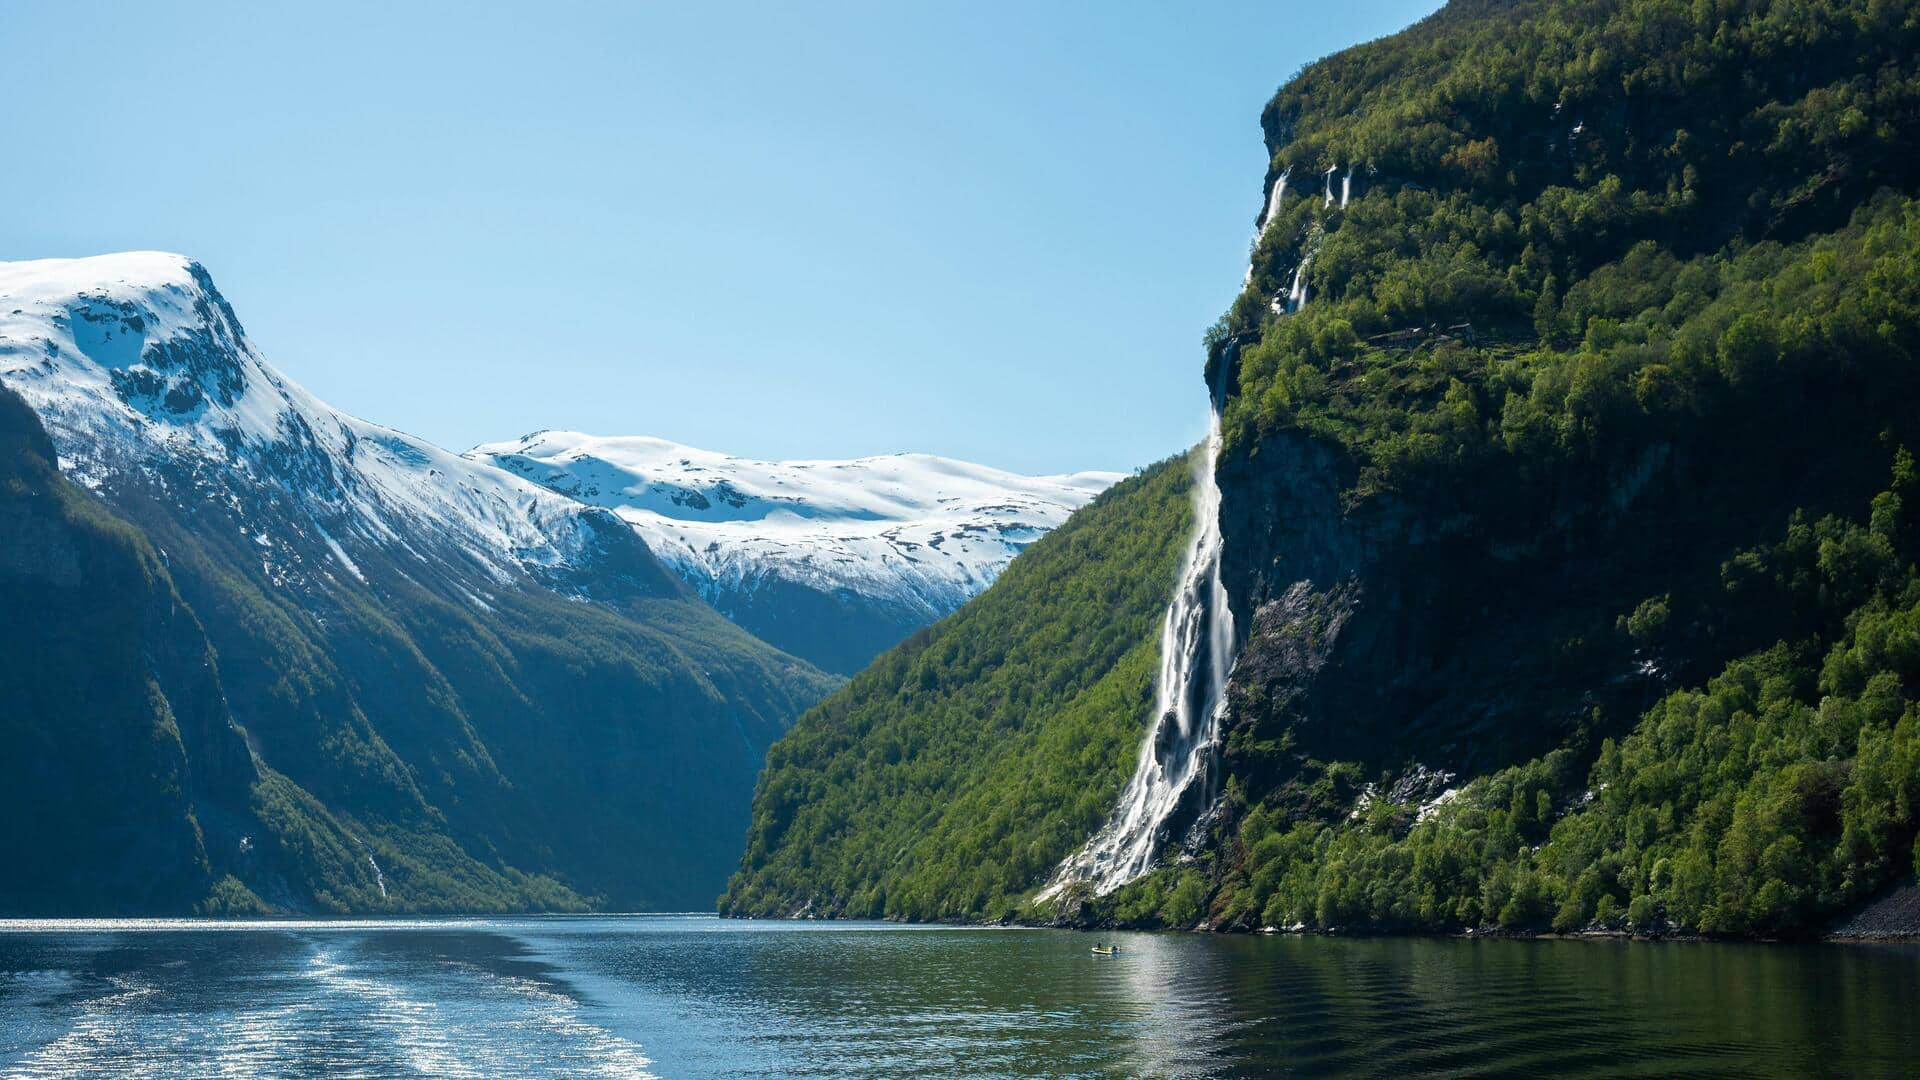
[(1196, 656), (1346, 187), (1297, 294), (1331, 169), (1274, 199)]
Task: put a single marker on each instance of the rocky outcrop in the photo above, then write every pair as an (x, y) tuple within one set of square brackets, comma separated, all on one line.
[(1382, 634), (1892, 916)]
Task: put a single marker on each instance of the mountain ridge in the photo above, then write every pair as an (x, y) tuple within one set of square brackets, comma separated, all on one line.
[(834, 560), (457, 687)]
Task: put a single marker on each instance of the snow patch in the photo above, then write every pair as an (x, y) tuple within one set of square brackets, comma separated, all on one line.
[(138, 367), (922, 532)]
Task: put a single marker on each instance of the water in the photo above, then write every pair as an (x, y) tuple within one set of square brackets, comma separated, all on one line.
[(691, 997), (1275, 198), (1297, 294), (1175, 773)]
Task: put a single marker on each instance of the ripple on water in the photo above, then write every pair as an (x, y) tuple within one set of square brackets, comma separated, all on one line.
[(691, 998)]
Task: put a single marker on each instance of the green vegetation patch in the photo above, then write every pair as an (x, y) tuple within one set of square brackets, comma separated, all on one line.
[(948, 779)]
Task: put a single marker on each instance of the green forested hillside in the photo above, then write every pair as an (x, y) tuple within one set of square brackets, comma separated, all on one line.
[(946, 778), (474, 748), (1569, 523), (1613, 352)]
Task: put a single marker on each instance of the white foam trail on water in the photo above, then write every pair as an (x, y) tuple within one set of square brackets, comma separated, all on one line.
[(1196, 654), (98, 1033)]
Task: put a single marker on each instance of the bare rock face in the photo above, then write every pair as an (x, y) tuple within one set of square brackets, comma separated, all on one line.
[(1892, 916), (1476, 622), (1386, 632)]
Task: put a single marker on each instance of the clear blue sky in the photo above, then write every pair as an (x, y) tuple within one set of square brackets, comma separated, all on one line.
[(993, 232)]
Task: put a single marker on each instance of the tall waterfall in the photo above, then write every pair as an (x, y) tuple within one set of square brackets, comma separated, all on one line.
[(1331, 169), (1346, 187), (1178, 762)]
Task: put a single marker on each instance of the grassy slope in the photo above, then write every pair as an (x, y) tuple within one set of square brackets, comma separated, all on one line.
[(481, 756)]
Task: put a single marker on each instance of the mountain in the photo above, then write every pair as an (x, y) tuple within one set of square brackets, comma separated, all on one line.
[(833, 561), (116, 728), (455, 689), (1566, 501)]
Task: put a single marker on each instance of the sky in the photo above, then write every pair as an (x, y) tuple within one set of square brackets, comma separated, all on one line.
[(995, 232)]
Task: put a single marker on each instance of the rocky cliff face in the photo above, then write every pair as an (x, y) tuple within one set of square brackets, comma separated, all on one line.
[(1515, 370), (1472, 625)]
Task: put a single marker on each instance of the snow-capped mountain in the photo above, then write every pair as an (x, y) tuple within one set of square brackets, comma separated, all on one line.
[(135, 362), (831, 560), (457, 689)]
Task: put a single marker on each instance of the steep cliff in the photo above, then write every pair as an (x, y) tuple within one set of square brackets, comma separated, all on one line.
[(1599, 305), (144, 759), (1566, 508)]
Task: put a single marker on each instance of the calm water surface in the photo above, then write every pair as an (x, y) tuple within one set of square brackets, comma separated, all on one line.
[(700, 997)]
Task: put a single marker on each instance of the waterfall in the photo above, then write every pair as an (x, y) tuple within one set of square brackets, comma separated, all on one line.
[(379, 878), (1331, 169), (1346, 187), (1177, 766), (1297, 294), (1274, 198)]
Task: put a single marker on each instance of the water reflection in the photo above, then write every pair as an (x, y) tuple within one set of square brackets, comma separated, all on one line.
[(691, 997)]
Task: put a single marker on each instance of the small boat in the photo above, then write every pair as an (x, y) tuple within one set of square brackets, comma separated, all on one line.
[(1106, 950)]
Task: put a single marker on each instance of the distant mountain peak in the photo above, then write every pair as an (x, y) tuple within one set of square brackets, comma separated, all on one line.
[(134, 359), (905, 538)]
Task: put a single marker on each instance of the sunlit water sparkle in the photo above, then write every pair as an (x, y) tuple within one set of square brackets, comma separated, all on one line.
[(651, 996)]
